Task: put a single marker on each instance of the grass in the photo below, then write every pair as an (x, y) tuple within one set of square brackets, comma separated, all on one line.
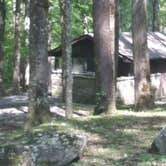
[(119, 140), (123, 139)]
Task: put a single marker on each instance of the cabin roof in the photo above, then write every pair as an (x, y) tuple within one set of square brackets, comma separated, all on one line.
[(156, 45), (77, 41)]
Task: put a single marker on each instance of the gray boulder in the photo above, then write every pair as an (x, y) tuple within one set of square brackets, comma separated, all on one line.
[(50, 148), (159, 143)]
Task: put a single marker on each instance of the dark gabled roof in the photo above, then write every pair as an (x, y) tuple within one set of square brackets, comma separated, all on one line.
[(78, 40), (156, 45)]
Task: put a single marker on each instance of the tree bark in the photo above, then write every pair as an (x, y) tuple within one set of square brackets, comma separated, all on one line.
[(105, 50), (65, 6), (25, 61), (62, 10), (2, 31), (155, 16), (143, 97), (39, 110), (16, 68)]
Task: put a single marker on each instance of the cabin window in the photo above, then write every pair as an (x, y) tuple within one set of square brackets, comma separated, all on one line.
[(79, 65)]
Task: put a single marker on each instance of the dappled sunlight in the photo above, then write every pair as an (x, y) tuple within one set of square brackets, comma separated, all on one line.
[(141, 114), (119, 139), (122, 138)]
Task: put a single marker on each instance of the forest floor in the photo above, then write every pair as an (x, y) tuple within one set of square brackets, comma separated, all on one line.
[(119, 140), (122, 139)]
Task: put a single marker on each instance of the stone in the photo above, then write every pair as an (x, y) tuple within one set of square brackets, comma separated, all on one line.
[(49, 148), (159, 144)]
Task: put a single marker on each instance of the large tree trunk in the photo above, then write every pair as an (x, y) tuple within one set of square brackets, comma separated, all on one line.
[(104, 39), (2, 31), (155, 16), (39, 111), (65, 6), (143, 98), (16, 68)]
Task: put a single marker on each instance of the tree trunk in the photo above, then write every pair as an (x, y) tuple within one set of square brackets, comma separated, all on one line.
[(2, 31), (16, 68), (27, 21), (39, 111), (117, 29), (25, 60), (155, 16), (104, 39), (65, 6), (85, 24), (62, 9), (143, 97)]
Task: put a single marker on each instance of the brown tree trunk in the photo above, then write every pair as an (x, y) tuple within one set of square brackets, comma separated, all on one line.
[(39, 111), (155, 16), (2, 31), (117, 29), (143, 98), (62, 9), (65, 6), (16, 68), (105, 50)]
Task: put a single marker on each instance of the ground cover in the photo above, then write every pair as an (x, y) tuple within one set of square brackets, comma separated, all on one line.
[(119, 140)]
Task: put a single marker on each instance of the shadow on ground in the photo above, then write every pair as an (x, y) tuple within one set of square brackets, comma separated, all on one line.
[(120, 140)]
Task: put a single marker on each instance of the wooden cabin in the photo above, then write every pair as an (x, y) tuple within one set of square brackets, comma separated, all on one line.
[(84, 67), (84, 59)]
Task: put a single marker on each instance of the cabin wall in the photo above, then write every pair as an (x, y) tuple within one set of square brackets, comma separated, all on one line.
[(84, 88), (158, 66), (125, 88), (124, 69)]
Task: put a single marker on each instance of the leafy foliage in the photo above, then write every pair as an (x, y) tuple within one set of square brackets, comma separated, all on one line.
[(162, 15), (81, 20), (8, 45)]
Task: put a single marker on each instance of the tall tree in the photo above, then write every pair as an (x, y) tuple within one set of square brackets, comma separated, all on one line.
[(2, 31), (16, 69), (27, 21), (143, 98), (105, 50), (25, 59), (39, 111), (155, 15), (65, 6)]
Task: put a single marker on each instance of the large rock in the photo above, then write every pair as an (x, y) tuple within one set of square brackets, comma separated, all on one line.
[(159, 143), (50, 148)]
